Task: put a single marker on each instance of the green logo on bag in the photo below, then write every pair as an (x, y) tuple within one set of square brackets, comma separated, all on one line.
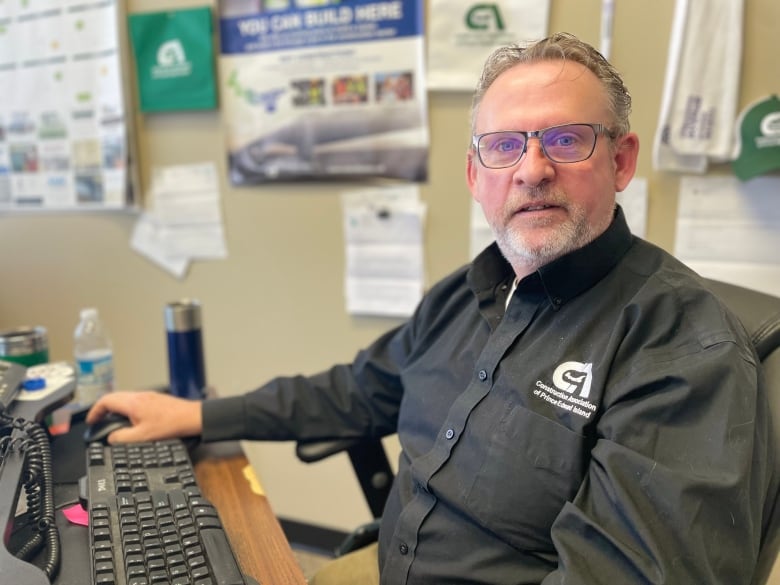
[(171, 61), (482, 16)]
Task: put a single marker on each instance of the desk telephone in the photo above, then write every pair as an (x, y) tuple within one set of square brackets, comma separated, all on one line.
[(148, 520), (27, 395)]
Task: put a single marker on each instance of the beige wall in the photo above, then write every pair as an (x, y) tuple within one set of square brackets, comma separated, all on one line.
[(276, 305)]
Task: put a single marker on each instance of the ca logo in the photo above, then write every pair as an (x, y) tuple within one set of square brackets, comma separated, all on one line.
[(170, 53), (481, 16), (770, 124), (573, 376)]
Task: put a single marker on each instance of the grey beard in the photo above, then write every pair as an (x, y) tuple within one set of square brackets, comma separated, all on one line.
[(570, 237)]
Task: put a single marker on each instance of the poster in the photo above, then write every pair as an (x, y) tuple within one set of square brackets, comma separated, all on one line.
[(323, 89), (462, 33), (63, 138)]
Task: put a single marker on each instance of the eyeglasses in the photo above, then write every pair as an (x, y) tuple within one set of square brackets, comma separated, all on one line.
[(567, 143)]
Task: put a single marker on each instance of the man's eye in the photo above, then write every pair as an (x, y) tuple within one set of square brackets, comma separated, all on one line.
[(564, 140), (508, 145)]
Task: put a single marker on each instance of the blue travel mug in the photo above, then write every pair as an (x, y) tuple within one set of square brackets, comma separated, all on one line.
[(186, 365)]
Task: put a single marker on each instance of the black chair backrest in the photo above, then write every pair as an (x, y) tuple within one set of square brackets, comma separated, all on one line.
[(760, 314)]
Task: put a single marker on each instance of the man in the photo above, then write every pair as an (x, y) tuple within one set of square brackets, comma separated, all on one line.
[(573, 406)]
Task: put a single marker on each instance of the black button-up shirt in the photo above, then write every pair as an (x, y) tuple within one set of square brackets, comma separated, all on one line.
[(606, 426)]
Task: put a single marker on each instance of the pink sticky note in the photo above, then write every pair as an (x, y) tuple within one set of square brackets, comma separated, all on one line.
[(77, 515)]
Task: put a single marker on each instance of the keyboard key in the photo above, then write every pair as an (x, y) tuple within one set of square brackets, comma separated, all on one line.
[(105, 579), (220, 557)]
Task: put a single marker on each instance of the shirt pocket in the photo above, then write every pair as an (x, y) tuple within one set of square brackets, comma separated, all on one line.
[(532, 467)]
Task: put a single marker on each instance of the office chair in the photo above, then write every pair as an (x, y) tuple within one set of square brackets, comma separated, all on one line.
[(759, 313)]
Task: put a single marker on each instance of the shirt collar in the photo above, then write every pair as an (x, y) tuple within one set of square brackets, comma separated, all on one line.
[(562, 279)]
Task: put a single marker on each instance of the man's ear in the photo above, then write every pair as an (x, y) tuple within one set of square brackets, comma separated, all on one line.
[(471, 171), (625, 159)]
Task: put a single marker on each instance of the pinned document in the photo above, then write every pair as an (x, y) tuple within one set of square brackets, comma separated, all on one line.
[(184, 222), (730, 230), (383, 230)]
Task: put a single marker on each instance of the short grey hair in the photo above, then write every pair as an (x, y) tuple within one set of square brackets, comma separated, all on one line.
[(560, 46)]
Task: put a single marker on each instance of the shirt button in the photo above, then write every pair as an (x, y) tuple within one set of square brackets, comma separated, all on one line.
[(403, 549), (449, 434), (482, 375)]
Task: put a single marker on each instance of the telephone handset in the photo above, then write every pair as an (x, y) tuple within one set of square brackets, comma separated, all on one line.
[(26, 396), (12, 376)]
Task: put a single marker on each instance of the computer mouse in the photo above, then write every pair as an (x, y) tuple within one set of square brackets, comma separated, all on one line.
[(100, 430)]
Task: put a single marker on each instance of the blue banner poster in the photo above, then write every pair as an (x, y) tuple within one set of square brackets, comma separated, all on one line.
[(323, 89)]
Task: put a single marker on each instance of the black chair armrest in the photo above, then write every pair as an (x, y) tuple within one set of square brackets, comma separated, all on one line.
[(313, 451), (369, 461)]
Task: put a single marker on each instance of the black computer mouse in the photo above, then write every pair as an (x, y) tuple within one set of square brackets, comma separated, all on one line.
[(100, 430)]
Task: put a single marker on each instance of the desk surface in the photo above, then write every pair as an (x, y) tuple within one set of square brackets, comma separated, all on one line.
[(252, 527)]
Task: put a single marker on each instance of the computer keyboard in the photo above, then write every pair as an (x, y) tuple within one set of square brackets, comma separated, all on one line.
[(149, 522)]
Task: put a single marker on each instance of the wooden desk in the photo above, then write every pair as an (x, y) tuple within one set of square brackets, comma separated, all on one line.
[(254, 532)]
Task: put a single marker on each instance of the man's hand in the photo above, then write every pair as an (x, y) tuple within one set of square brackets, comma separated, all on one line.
[(154, 416)]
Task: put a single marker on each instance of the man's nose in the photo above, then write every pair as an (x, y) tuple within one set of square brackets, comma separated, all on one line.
[(534, 168)]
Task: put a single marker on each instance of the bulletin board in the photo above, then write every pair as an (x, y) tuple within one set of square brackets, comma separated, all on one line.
[(65, 132)]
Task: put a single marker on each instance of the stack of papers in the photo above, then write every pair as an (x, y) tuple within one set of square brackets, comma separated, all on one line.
[(184, 218)]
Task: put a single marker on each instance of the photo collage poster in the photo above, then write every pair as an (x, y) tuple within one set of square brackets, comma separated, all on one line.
[(63, 137)]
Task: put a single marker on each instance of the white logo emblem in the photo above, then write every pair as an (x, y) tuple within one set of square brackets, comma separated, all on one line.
[(170, 53), (770, 124), (573, 376), (171, 61)]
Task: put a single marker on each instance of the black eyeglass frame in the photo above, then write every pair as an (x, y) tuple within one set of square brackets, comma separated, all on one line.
[(528, 134)]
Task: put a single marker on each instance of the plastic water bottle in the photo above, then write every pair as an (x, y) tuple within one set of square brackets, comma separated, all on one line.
[(94, 358)]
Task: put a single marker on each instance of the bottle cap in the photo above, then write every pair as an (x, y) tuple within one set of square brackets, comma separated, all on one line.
[(183, 315), (88, 313)]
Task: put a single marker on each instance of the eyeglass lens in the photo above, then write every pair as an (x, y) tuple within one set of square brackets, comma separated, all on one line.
[(568, 143)]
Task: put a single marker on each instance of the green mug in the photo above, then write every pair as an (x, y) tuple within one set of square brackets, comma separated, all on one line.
[(24, 345)]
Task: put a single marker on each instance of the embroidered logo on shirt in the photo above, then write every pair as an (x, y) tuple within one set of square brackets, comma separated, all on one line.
[(570, 388), (571, 376)]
